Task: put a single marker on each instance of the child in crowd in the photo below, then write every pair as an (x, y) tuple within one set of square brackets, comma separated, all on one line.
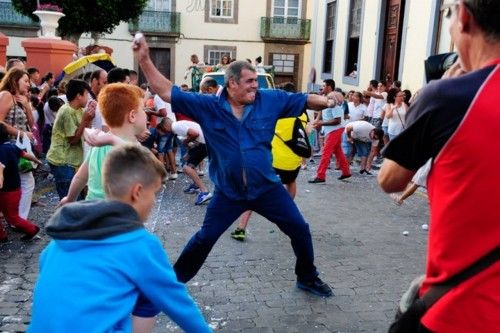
[(10, 187), (101, 258), (121, 106)]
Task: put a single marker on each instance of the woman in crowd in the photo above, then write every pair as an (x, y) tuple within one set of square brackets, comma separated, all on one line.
[(396, 113), (16, 114), (225, 60)]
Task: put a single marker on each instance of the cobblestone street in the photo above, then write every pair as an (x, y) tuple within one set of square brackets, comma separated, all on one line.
[(249, 286)]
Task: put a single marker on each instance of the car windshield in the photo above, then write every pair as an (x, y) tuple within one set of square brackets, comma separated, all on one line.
[(262, 79)]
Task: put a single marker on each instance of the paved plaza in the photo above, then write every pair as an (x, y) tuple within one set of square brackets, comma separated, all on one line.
[(249, 286)]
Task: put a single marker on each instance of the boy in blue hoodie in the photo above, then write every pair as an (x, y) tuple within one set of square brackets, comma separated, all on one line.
[(102, 258)]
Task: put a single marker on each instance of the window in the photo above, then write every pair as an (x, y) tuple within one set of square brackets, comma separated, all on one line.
[(214, 53), (283, 63), (331, 11), (215, 56), (351, 66), (221, 11), (443, 37), (286, 8), (221, 8), (159, 5)]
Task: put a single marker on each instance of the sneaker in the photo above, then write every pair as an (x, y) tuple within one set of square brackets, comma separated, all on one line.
[(238, 234), (344, 177), (316, 181), (203, 197), (316, 287), (201, 173), (191, 189), (173, 176), (32, 236)]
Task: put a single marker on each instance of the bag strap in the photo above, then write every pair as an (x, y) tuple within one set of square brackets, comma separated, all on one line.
[(14, 111), (400, 120), (438, 291)]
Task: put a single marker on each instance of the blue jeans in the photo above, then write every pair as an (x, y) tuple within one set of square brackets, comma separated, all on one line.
[(62, 175), (275, 205)]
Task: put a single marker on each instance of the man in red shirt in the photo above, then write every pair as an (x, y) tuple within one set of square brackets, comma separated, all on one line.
[(454, 121)]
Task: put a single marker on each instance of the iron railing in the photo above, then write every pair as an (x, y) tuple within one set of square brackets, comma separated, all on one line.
[(8, 16), (161, 22), (285, 28)]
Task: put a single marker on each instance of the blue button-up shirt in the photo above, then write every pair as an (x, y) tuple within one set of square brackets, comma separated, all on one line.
[(239, 150)]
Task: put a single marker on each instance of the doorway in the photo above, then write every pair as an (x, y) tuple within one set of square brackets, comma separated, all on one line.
[(392, 40)]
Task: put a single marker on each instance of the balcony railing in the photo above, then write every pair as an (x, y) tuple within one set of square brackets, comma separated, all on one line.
[(158, 22), (9, 17), (285, 29)]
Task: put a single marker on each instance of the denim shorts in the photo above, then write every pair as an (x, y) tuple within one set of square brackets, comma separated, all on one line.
[(165, 143), (362, 148)]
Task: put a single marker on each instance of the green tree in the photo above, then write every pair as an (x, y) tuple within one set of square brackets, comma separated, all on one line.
[(94, 16)]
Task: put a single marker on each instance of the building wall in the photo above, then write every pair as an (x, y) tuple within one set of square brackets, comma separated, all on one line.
[(417, 34)]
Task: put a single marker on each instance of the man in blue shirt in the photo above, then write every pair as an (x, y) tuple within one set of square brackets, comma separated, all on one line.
[(238, 126)]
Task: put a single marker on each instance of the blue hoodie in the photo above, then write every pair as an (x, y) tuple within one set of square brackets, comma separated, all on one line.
[(100, 259)]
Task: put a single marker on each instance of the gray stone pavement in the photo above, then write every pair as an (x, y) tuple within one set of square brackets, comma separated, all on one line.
[(250, 286)]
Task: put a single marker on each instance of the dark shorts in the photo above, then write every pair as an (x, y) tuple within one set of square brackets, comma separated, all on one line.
[(196, 155), (287, 176)]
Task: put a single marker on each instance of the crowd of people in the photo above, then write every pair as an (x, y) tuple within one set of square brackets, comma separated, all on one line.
[(104, 136)]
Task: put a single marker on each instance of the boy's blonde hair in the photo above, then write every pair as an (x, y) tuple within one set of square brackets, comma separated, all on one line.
[(116, 100), (128, 164)]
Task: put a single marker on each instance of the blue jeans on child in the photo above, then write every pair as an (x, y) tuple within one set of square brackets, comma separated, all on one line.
[(62, 176)]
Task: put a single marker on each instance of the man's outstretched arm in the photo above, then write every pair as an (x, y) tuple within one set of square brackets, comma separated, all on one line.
[(160, 84), (393, 177), (316, 102)]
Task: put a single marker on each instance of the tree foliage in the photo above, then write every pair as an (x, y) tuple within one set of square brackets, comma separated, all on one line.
[(98, 16)]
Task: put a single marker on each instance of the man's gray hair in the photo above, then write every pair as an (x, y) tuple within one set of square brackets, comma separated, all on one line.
[(233, 71), (486, 13)]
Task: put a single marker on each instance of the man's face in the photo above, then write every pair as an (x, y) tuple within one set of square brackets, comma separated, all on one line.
[(98, 84), (194, 59), (245, 90), (457, 10), (35, 77), (326, 89), (134, 79)]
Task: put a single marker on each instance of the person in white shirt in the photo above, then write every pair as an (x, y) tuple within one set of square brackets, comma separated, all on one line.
[(192, 136), (357, 110), (365, 138), (378, 98), (396, 114), (163, 110)]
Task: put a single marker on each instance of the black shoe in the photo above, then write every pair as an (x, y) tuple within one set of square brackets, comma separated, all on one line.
[(344, 177), (362, 171), (316, 181), (368, 173), (316, 287)]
